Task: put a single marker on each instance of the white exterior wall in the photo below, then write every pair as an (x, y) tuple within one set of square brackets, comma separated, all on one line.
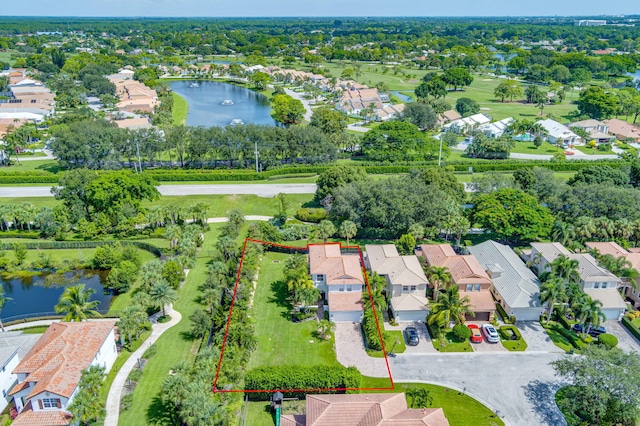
[(589, 285), (107, 353), (7, 380), (64, 402), (320, 282), (346, 316), (613, 313), (413, 316), (526, 314)]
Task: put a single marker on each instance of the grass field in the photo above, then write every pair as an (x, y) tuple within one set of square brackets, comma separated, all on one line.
[(280, 339), (460, 410), (180, 109), (35, 165), (173, 346), (529, 148)]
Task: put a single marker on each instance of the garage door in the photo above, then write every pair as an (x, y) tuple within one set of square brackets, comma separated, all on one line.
[(527, 314), (410, 316), (480, 316), (612, 314), (345, 316)]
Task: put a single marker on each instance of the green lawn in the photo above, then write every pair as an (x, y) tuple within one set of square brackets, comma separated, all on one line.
[(34, 166), (636, 322), (174, 345), (558, 339), (593, 151), (529, 148), (450, 343), (35, 330), (57, 255), (460, 410), (390, 339), (279, 339), (180, 109)]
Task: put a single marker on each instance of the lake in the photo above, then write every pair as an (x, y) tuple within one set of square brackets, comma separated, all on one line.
[(402, 97), (218, 104), (635, 75), (35, 294)]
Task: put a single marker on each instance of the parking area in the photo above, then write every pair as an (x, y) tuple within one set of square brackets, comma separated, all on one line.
[(424, 347), (536, 337), (626, 341)]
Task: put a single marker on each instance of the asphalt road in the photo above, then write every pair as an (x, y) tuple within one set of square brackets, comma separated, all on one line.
[(262, 190), (522, 384)]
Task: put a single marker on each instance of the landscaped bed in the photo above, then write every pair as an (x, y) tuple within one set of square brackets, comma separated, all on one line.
[(393, 342), (511, 338)]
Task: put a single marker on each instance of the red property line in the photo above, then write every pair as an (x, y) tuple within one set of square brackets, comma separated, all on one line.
[(233, 300)]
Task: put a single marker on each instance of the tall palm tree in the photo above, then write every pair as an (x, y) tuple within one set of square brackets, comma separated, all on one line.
[(563, 232), (172, 233), (566, 268), (552, 291), (449, 308), (589, 313), (377, 284), (585, 228), (348, 230), (162, 294), (438, 277), (75, 305), (298, 284)]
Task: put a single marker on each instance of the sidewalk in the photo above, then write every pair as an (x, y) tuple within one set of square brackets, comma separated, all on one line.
[(115, 393)]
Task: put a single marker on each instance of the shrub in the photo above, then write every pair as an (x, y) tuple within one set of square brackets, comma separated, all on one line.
[(609, 340), (510, 332), (300, 377), (370, 330), (314, 215), (632, 329), (461, 331)]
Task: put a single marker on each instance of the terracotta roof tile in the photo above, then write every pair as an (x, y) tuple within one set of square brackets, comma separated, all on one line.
[(463, 269), (326, 259), (340, 301), (56, 361), (28, 417)]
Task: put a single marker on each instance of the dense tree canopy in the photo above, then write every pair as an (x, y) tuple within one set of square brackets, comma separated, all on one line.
[(598, 103), (337, 176), (399, 141)]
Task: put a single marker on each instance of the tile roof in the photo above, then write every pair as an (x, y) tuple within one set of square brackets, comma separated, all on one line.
[(622, 129), (616, 251), (550, 251), (401, 270), (341, 301), (365, 410), (610, 298), (327, 260), (17, 338), (56, 361), (588, 268), (28, 417), (410, 302), (463, 269), (480, 301), (518, 286)]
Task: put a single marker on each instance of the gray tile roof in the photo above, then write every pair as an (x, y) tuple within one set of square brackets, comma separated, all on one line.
[(518, 286), (401, 270), (589, 270), (12, 340)]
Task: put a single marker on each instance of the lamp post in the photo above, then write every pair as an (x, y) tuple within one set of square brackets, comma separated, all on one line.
[(391, 354)]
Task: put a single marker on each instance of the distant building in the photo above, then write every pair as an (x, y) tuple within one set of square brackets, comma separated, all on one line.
[(497, 128), (560, 134), (590, 23), (467, 124)]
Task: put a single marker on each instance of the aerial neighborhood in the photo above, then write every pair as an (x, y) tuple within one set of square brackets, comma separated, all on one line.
[(318, 221)]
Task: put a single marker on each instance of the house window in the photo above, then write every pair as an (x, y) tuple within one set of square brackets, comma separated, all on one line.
[(405, 288), (414, 288), (341, 288), (50, 403), (596, 284), (349, 288), (604, 285), (476, 287), (4, 393), (469, 287)]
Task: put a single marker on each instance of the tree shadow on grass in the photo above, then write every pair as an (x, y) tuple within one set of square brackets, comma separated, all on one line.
[(281, 297), (160, 414), (542, 396)]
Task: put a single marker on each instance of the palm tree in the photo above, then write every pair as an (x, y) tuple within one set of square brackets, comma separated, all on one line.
[(585, 228), (348, 230), (297, 283), (377, 284), (3, 300), (449, 308), (162, 294), (325, 230), (438, 277), (75, 305), (172, 233), (589, 313), (563, 232), (552, 291), (325, 328), (565, 268)]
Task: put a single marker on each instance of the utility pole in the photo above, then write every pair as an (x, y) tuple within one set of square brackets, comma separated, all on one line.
[(440, 154), (256, 152), (139, 162)]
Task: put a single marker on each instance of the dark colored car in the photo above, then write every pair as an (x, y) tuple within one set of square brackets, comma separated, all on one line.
[(411, 336), (593, 332)]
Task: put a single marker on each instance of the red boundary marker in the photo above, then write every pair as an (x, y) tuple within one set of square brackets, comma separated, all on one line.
[(311, 390)]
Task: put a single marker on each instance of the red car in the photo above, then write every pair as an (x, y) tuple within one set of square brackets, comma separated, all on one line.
[(476, 336)]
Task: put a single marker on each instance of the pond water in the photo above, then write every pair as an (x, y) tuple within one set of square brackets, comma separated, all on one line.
[(635, 75), (219, 104), (39, 294), (403, 98)]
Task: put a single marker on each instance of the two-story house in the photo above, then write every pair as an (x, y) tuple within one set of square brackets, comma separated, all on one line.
[(406, 281), (467, 273), (597, 130), (339, 278), (50, 372), (633, 257), (595, 280), (514, 287), (14, 345)]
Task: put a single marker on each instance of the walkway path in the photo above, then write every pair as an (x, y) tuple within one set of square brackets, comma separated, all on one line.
[(113, 399), (262, 190), (305, 102)]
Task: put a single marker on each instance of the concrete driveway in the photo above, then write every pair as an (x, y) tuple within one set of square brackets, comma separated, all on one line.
[(518, 386), (536, 337), (425, 345), (626, 341)]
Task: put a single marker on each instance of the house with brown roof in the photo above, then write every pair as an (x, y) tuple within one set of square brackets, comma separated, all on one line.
[(598, 131), (339, 278), (406, 281), (50, 372), (623, 130), (615, 250), (467, 273), (380, 409)]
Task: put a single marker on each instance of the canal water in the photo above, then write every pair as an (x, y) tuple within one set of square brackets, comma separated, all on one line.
[(212, 103), (40, 293)]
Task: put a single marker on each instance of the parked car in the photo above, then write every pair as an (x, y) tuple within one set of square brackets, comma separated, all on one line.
[(476, 336), (593, 332), (411, 336), (490, 333)]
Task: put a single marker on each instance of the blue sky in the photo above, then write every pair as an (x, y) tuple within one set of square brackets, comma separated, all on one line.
[(317, 7)]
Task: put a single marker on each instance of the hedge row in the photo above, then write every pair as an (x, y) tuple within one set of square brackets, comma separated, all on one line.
[(52, 245), (507, 336), (314, 215), (299, 378), (632, 329), (207, 175)]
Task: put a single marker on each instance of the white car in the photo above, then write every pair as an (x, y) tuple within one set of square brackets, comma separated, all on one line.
[(490, 333)]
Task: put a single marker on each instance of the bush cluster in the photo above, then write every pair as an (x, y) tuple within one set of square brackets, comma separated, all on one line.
[(313, 215), (301, 377)]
